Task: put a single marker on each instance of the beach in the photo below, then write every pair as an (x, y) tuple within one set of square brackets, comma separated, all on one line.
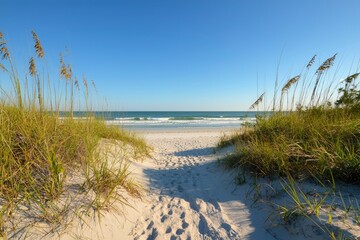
[(189, 195), (190, 120)]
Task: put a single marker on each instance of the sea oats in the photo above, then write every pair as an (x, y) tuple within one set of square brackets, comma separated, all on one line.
[(323, 67), (38, 48), (62, 67), (4, 52), (93, 84), (85, 83), (32, 67), (289, 83), (65, 71), (76, 83), (326, 65), (61, 59), (69, 71), (311, 62), (257, 102), (351, 78), (2, 67)]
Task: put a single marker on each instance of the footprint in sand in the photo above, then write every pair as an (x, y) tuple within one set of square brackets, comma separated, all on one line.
[(164, 218), (168, 230), (151, 224), (173, 237), (180, 231), (184, 225), (154, 234)]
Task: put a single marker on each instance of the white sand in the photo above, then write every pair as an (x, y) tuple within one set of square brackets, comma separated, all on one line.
[(189, 196)]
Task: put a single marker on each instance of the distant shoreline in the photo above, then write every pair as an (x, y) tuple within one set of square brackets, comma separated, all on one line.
[(184, 130), (168, 121)]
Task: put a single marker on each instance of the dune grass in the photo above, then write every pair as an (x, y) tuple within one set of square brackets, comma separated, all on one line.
[(321, 138), (43, 154), (316, 142), (309, 135)]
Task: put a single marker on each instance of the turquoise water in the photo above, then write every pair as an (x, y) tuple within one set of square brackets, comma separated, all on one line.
[(175, 120)]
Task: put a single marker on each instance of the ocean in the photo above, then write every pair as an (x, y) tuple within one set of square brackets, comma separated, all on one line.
[(175, 120)]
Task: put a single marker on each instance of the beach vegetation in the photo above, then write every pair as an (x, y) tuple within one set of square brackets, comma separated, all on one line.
[(313, 132), (320, 138), (54, 166)]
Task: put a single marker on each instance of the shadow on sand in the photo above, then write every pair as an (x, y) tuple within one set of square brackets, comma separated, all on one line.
[(210, 184), (198, 152)]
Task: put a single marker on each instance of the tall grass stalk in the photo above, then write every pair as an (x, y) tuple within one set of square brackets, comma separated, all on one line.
[(287, 86), (257, 102), (301, 96)]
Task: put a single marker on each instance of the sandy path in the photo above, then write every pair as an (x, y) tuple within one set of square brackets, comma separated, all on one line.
[(190, 196)]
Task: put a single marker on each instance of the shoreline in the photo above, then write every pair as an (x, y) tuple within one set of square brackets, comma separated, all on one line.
[(184, 130)]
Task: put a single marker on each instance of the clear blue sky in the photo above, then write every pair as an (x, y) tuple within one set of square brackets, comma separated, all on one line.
[(182, 54)]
